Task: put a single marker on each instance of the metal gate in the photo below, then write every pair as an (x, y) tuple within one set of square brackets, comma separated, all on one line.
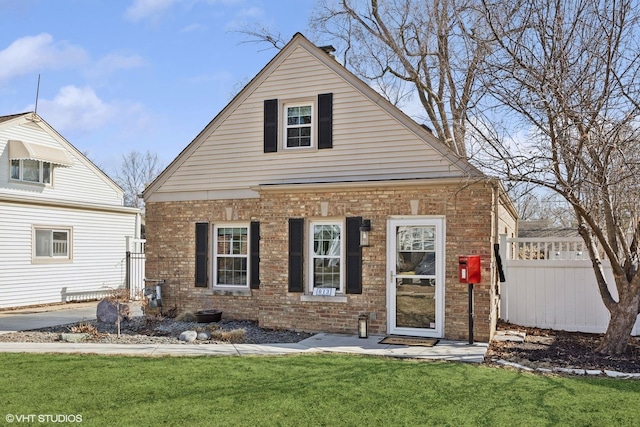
[(135, 268)]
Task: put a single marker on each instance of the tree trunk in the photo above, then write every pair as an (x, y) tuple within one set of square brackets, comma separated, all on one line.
[(623, 317)]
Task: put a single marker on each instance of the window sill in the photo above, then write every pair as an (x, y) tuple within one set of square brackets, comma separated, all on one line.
[(51, 260), (318, 298), (310, 148), (229, 292)]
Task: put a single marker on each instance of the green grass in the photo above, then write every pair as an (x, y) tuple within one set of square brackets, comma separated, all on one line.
[(303, 390)]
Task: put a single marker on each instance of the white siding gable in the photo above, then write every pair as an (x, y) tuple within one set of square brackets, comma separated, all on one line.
[(372, 140), (81, 182)]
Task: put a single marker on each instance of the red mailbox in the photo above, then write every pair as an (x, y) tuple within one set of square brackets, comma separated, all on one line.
[(469, 269)]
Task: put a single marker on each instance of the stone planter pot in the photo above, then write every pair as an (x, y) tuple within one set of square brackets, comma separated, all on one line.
[(208, 316)]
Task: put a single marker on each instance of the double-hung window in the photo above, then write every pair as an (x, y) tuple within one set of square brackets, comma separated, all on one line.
[(52, 244), (326, 255), (28, 170), (231, 255), (298, 125)]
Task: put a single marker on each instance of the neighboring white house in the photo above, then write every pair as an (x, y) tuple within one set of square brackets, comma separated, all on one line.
[(63, 225)]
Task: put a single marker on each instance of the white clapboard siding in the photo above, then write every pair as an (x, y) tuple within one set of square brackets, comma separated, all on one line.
[(82, 182), (369, 143), (99, 247), (560, 293)]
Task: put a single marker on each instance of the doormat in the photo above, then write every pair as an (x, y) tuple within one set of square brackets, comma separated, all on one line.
[(421, 341)]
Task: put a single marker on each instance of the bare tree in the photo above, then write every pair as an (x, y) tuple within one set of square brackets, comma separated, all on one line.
[(408, 48), (426, 44), (569, 72), (534, 203), (136, 172)]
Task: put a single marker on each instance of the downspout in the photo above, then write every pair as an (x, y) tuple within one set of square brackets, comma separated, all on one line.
[(136, 234), (495, 200)]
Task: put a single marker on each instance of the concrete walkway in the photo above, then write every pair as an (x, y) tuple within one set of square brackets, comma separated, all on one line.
[(320, 343)]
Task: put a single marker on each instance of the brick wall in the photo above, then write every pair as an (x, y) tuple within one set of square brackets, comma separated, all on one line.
[(468, 211)]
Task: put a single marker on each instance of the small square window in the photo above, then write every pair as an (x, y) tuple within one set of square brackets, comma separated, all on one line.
[(52, 244)]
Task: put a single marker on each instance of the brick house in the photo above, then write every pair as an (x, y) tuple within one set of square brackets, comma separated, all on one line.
[(264, 215)]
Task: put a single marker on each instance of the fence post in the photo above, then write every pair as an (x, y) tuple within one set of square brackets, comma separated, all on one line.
[(127, 274), (504, 286)]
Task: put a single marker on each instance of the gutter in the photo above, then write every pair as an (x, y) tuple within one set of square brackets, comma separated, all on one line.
[(65, 204)]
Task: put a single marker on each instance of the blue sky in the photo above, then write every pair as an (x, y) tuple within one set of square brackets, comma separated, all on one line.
[(124, 75)]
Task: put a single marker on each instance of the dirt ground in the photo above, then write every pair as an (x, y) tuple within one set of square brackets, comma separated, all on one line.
[(548, 349)]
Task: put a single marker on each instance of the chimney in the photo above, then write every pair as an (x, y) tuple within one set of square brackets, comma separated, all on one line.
[(328, 49)]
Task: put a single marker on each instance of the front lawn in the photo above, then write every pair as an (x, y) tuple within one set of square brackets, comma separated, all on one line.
[(300, 390)]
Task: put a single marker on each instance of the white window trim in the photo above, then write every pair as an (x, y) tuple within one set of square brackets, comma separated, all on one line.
[(40, 173), (52, 259), (285, 126), (310, 255), (247, 256)]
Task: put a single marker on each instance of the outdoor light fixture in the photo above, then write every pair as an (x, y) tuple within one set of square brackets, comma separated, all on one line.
[(365, 228), (363, 326)]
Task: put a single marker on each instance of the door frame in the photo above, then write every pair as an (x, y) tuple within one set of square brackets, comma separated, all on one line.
[(439, 222)]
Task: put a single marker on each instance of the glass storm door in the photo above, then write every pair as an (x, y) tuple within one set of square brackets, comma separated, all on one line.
[(416, 276)]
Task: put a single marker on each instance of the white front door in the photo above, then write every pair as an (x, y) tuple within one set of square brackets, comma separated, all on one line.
[(415, 288)]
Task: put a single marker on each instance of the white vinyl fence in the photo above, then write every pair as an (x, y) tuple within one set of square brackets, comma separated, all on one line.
[(135, 262), (550, 284)]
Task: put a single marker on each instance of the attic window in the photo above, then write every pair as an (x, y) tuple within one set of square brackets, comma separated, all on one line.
[(298, 125), (20, 150), (31, 171), (34, 162)]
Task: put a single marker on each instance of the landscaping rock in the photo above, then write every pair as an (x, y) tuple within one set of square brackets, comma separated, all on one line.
[(513, 336), (203, 336), (107, 311), (188, 336), (71, 337)]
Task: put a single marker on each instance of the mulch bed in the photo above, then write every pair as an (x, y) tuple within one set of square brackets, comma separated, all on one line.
[(546, 348)]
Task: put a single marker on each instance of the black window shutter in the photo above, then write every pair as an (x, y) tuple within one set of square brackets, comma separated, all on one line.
[(296, 250), (325, 120), (354, 256), (270, 125), (202, 245), (254, 251)]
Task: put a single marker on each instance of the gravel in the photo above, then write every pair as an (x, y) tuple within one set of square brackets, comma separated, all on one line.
[(142, 330)]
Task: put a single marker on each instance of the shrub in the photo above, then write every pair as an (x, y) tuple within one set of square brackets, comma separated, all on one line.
[(232, 336), (186, 316), (85, 328)]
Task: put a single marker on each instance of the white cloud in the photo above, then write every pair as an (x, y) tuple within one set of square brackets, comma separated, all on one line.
[(114, 62), (245, 17), (148, 9), (34, 53), (193, 28), (76, 109), (251, 12), (153, 10)]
